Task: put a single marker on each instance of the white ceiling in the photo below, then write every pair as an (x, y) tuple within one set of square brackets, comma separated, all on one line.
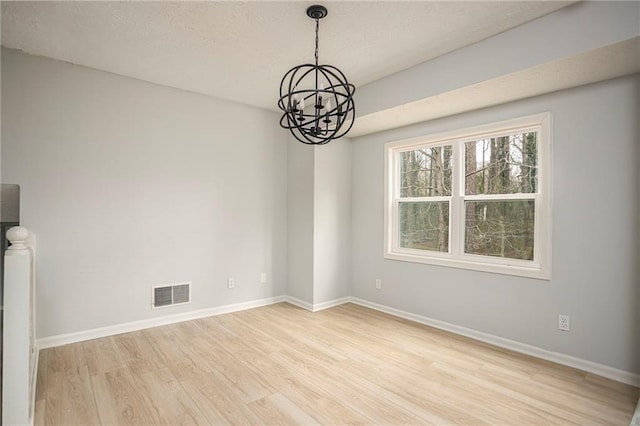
[(240, 50)]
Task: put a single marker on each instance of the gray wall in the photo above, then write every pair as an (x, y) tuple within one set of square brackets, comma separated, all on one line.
[(300, 171), (595, 247), (332, 221), (130, 185)]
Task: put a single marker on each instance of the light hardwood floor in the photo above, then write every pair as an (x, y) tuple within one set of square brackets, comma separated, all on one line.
[(283, 365)]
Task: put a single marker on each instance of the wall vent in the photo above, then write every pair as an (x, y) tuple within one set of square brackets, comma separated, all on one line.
[(170, 295)]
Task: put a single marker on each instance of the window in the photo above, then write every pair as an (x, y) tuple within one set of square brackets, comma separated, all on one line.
[(476, 198)]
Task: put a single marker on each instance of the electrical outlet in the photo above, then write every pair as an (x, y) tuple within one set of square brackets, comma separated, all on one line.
[(263, 278), (378, 283), (231, 282), (563, 323)]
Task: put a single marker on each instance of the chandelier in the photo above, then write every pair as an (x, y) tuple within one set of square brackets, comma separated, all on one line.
[(317, 100)]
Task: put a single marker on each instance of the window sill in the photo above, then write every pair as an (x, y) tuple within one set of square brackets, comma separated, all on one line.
[(514, 268)]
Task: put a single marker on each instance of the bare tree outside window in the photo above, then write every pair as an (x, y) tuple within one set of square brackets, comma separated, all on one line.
[(425, 173), (477, 198), (502, 165), (500, 228), (498, 166)]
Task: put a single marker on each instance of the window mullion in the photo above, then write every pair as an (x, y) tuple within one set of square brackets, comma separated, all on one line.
[(423, 199), (501, 197), (395, 191), (455, 231)]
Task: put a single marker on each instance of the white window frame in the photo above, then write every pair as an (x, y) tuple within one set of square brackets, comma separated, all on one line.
[(540, 266)]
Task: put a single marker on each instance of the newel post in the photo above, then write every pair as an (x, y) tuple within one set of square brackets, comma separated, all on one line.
[(18, 348), (18, 235)]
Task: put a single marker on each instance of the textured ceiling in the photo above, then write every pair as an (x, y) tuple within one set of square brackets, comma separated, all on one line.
[(240, 50)]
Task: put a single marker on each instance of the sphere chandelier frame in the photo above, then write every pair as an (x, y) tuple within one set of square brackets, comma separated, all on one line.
[(316, 100)]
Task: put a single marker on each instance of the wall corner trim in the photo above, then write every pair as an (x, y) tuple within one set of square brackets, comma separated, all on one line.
[(331, 303), (317, 306), (523, 348), (299, 303)]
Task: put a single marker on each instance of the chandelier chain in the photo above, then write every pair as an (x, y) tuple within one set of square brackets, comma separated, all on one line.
[(317, 38)]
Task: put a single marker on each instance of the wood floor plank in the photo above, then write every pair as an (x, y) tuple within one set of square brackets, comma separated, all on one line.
[(70, 399), (211, 392), (280, 364), (229, 369), (103, 355), (120, 399), (610, 389), (41, 407), (276, 409), (42, 374), (64, 358), (138, 352), (178, 357), (524, 393), (173, 405), (441, 396), (318, 403), (214, 328), (375, 403)]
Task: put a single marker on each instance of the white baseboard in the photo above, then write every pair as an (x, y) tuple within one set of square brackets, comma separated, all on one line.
[(331, 303), (317, 306), (299, 303), (80, 336), (570, 361)]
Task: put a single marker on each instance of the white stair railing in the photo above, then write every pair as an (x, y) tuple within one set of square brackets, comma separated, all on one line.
[(19, 351)]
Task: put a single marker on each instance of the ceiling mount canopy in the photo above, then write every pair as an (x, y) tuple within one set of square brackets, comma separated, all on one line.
[(317, 100), (316, 11)]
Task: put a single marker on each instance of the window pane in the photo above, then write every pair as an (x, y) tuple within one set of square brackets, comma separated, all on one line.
[(500, 228), (502, 165), (424, 225), (426, 172)]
